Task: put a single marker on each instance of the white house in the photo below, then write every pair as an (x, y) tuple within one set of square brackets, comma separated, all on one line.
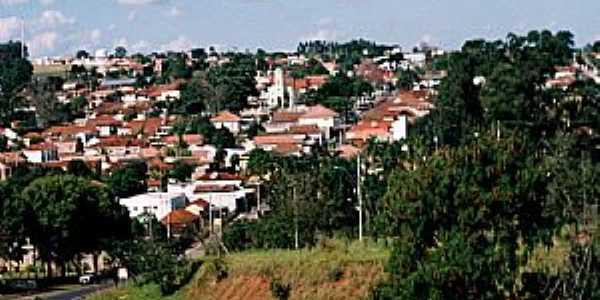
[(324, 118), (158, 204), (41, 153), (226, 119)]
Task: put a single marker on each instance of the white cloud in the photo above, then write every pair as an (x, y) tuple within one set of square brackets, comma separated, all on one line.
[(141, 46), (323, 34), (326, 21), (13, 2), (325, 31), (53, 18), (9, 28), (182, 43), (122, 42), (46, 2), (132, 15), (43, 42), (174, 12), (139, 2), (95, 36)]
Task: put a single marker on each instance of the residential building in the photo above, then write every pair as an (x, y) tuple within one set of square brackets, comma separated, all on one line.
[(157, 204)]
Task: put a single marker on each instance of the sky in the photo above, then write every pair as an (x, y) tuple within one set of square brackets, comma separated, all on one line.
[(61, 27)]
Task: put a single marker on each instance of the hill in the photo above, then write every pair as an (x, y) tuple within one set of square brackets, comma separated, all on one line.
[(332, 270)]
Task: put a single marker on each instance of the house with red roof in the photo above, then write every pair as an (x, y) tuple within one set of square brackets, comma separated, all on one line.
[(106, 125), (41, 153), (322, 117), (228, 120), (179, 220)]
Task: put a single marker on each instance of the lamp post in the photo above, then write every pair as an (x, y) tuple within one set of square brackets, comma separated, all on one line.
[(358, 194)]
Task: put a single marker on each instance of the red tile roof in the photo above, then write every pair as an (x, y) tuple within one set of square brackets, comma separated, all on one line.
[(273, 139), (200, 203), (225, 116), (287, 149), (68, 130), (104, 120), (42, 146), (180, 217), (120, 142), (286, 117), (348, 151), (319, 112), (367, 129), (147, 127), (190, 139), (305, 129)]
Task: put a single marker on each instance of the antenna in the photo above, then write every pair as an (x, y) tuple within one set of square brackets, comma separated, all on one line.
[(22, 37)]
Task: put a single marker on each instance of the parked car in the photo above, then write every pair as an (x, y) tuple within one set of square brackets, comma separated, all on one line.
[(87, 279)]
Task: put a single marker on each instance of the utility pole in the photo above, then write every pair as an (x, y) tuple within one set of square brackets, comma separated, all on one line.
[(22, 37), (359, 196), (169, 226), (258, 200), (296, 243), (210, 216)]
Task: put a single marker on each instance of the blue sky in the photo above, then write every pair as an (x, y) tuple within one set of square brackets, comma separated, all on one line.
[(57, 27)]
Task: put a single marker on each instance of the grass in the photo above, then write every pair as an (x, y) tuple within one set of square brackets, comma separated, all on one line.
[(334, 269), (147, 292)]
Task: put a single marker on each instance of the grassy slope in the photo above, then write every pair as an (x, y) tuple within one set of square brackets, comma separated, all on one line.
[(333, 270)]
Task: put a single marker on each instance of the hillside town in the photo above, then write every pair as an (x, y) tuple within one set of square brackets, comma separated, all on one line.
[(128, 113), (196, 147)]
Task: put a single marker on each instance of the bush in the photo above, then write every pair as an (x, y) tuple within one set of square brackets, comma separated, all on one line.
[(280, 290), (335, 273)]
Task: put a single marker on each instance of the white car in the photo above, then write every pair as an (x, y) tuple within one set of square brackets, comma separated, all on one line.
[(87, 279)]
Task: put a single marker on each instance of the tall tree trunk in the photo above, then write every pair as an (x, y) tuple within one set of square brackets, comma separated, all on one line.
[(49, 268), (95, 261), (63, 270)]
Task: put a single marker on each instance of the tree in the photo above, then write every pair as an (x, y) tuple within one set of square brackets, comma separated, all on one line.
[(120, 52), (82, 54), (466, 218), (129, 180), (48, 109), (3, 143), (261, 162), (194, 97), (11, 223), (55, 209), (15, 74), (182, 171), (407, 79)]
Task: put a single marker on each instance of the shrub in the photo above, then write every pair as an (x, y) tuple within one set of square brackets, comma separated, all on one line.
[(335, 273), (280, 290)]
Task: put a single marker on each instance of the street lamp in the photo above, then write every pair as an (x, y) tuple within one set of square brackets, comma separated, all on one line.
[(358, 195)]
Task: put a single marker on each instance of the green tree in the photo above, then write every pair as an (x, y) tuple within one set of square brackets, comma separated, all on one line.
[(120, 52), (57, 206), (467, 219), (81, 54), (129, 180), (407, 79), (182, 171), (15, 74)]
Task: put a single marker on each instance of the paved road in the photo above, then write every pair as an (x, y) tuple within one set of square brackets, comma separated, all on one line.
[(80, 293)]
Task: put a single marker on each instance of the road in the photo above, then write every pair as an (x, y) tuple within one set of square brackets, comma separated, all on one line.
[(79, 293)]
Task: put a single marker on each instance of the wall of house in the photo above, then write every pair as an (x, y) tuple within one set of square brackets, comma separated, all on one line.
[(159, 204), (399, 128)]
